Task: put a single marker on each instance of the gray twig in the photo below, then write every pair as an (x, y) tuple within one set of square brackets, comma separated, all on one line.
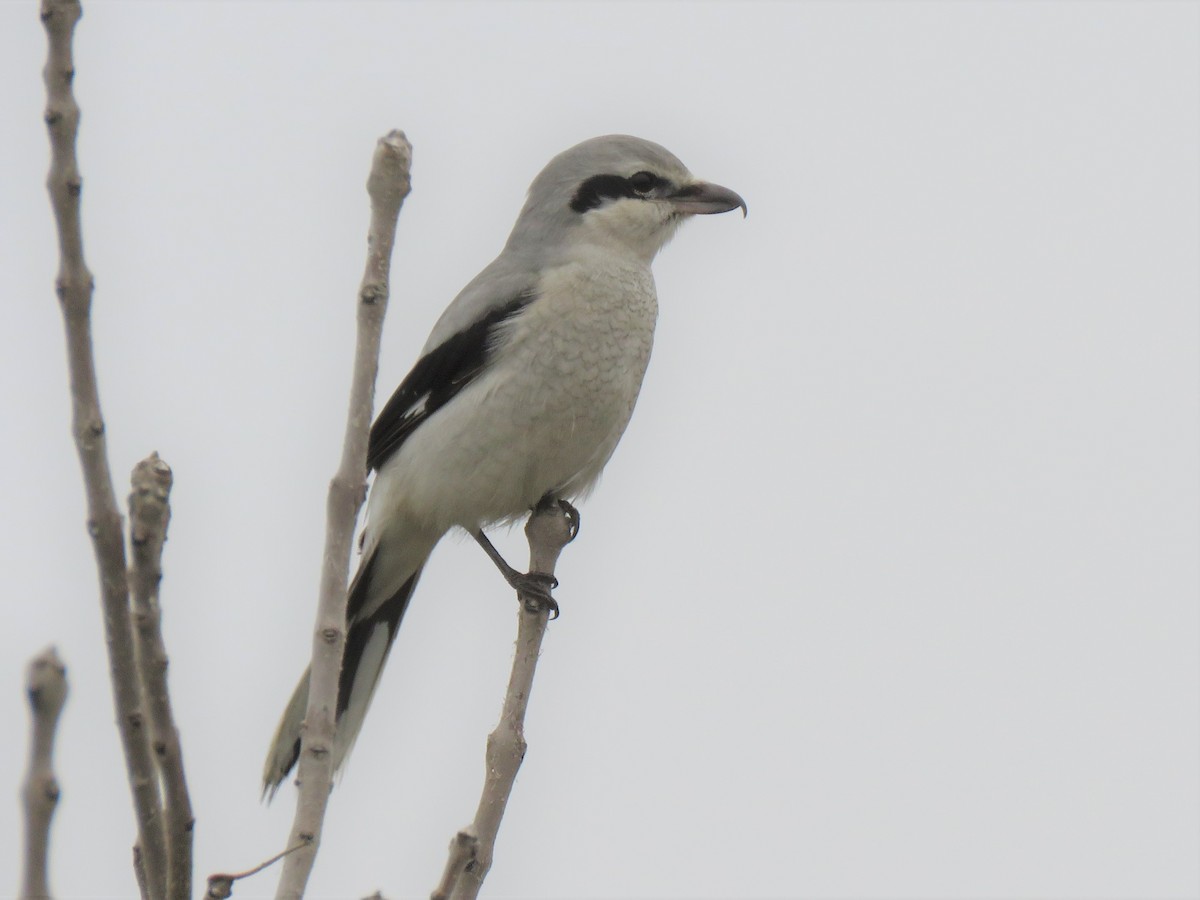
[(149, 514), (74, 288), (46, 684), (549, 529), (220, 885), (387, 185)]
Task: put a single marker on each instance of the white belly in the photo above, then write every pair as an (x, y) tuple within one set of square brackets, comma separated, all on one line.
[(545, 417)]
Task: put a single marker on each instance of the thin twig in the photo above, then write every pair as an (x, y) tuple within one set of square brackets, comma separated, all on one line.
[(220, 886), (46, 684), (74, 287), (149, 514), (387, 186), (550, 528)]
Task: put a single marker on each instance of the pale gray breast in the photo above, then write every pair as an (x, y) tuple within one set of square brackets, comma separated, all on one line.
[(547, 413), (588, 337)]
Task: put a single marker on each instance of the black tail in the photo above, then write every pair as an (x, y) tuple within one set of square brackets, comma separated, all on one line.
[(368, 640)]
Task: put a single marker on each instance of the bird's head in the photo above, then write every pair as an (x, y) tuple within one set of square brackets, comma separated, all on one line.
[(616, 192)]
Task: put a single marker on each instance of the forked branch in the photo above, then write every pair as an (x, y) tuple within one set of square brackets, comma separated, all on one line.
[(74, 288), (149, 513)]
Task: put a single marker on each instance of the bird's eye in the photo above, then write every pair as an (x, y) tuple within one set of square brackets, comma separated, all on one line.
[(643, 182)]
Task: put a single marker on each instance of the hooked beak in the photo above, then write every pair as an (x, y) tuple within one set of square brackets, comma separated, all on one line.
[(701, 198)]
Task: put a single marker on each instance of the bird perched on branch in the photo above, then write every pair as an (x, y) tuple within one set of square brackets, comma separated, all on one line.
[(520, 395)]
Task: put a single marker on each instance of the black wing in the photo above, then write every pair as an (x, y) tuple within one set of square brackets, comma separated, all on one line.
[(435, 379)]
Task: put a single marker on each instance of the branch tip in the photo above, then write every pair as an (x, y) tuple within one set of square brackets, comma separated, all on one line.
[(46, 682)]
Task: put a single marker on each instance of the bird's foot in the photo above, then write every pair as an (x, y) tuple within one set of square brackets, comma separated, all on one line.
[(532, 587), (534, 590)]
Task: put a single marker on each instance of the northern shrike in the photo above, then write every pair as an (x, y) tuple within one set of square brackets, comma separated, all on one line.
[(520, 394)]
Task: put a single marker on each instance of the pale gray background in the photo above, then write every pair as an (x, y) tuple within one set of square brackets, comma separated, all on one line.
[(891, 589)]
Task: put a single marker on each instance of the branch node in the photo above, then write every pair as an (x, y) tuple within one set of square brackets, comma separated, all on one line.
[(464, 850)]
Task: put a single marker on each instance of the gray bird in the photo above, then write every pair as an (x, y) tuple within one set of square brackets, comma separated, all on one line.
[(520, 394)]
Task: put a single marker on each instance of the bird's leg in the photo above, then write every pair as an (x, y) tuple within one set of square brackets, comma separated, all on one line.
[(534, 585)]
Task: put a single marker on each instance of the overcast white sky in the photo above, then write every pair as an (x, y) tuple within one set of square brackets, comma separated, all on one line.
[(890, 591)]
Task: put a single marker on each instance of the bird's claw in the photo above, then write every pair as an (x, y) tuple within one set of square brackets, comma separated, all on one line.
[(549, 501), (534, 590), (572, 515), (546, 603)]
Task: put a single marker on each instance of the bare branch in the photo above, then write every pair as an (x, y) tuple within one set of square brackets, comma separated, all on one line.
[(46, 684), (149, 514), (387, 186), (550, 528), (74, 287)]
